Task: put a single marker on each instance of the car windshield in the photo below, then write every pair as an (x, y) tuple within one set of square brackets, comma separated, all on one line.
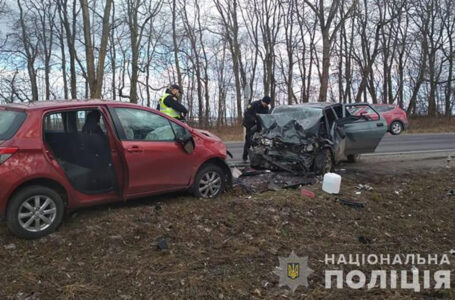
[(303, 111), (10, 122)]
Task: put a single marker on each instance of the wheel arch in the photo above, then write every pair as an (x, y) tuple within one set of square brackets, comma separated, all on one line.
[(222, 164), (47, 182)]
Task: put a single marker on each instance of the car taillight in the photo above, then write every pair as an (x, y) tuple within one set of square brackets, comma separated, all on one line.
[(5, 153)]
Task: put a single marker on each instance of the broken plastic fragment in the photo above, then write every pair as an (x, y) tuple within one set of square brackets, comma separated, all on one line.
[(307, 193)]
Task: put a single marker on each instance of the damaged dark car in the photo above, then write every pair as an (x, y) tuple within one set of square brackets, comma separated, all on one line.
[(313, 137)]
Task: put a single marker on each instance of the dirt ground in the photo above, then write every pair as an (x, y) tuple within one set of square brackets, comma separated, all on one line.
[(228, 248)]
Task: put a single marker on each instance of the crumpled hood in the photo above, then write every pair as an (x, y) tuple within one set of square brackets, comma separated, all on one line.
[(206, 134), (290, 128)]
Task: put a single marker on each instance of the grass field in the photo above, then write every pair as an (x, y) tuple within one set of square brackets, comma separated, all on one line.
[(228, 248)]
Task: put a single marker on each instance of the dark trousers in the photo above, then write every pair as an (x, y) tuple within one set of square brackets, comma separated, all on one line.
[(246, 147)]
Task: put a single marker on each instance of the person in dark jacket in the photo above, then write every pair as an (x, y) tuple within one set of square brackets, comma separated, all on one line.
[(170, 105), (250, 120)]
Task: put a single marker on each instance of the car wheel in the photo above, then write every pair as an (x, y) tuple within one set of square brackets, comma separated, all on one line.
[(209, 182), (396, 128), (352, 158), (35, 211), (323, 162)]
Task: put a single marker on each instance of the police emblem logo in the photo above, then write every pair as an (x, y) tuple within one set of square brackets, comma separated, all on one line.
[(293, 271)]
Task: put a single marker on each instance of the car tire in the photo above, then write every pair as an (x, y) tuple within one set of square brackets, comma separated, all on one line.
[(352, 158), (323, 162), (210, 181), (34, 212), (396, 128)]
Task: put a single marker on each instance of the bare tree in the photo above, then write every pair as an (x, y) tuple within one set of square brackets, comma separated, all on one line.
[(95, 77), (326, 17), (30, 46), (136, 32)]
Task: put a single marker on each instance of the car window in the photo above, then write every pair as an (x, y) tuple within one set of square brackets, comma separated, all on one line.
[(179, 131), (383, 108), (143, 125), (54, 122), (75, 121), (82, 117), (359, 110), (10, 122)]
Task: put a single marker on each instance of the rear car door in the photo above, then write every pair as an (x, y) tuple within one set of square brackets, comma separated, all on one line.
[(155, 161), (363, 133)]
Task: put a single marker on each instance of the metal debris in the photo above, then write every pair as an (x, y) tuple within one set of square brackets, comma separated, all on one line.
[(351, 203), (364, 187)]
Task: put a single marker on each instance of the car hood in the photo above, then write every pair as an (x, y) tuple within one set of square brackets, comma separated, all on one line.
[(290, 128), (206, 135)]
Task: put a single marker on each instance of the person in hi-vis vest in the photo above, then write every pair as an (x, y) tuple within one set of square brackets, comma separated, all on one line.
[(170, 105)]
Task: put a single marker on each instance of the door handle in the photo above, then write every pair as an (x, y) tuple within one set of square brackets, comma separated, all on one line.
[(134, 149), (379, 124)]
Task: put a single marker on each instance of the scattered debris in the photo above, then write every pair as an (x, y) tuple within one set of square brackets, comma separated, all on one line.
[(452, 251), (358, 193), (351, 203), (236, 172), (266, 181), (307, 193), (451, 192), (162, 244), (10, 247), (364, 187), (364, 240), (397, 193)]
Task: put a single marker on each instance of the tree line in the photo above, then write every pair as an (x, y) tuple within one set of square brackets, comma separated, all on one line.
[(225, 53)]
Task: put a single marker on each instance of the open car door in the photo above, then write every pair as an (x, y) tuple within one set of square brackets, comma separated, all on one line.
[(364, 128)]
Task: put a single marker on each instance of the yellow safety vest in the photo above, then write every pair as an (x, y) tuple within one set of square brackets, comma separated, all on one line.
[(166, 109)]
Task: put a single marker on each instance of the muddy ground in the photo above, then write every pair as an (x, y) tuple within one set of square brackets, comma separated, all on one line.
[(229, 247)]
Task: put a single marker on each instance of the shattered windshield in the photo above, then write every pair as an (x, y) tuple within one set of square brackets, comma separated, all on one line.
[(292, 126)]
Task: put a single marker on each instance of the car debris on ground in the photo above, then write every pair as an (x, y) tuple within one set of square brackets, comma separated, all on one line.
[(351, 203), (258, 181), (364, 187)]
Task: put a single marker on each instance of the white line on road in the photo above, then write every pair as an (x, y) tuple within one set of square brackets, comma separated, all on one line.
[(409, 152)]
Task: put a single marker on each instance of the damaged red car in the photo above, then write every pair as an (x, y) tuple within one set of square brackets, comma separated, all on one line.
[(59, 155)]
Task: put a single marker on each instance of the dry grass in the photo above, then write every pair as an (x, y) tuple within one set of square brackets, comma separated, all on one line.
[(228, 247), (431, 125), (229, 133)]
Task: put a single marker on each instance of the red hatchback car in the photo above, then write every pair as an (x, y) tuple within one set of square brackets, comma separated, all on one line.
[(396, 118), (59, 155)]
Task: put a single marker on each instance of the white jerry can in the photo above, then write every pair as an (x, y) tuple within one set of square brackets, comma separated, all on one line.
[(331, 183)]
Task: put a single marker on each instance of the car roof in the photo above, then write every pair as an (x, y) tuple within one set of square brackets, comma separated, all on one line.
[(37, 105), (383, 104), (311, 104)]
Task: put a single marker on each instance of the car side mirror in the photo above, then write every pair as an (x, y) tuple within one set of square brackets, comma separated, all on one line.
[(187, 142)]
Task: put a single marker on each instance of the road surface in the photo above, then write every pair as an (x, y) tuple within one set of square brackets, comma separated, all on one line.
[(390, 144)]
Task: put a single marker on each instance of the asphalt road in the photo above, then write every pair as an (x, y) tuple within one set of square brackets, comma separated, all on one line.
[(390, 144)]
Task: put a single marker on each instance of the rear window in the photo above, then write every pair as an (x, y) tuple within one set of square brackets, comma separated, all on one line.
[(10, 122), (383, 108)]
